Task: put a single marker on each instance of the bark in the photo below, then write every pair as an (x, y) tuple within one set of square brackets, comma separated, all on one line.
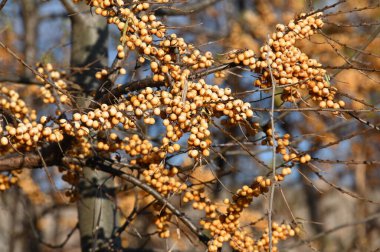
[(29, 12), (361, 235)]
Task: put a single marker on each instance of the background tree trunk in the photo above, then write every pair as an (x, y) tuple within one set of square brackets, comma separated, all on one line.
[(96, 206)]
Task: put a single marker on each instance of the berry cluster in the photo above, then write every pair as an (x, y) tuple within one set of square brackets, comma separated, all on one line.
[(163, 180), (16, 107), (283, 147), (242, 241), (180, 117), (225, 227), (8, 179), (201, 202), (162, 220), (289, 67), (55, 93)]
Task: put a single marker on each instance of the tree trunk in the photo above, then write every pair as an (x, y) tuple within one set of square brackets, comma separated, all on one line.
[(96, 206)]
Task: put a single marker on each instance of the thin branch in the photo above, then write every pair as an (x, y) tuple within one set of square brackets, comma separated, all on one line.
[(185, 9), (31, 69), (338, 188), (271, 196), (357, 53), (358, 222), (238, 141), (63, 243), (316, 109), (369, 124), (347, 162)]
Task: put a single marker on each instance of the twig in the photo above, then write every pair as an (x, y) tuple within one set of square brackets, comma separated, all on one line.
[(271, 196), (31, 69), (347, 162), (185, 9), (63, 243), (369, 124)]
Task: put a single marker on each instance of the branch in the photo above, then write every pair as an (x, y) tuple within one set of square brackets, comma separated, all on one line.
[(358, 222), (357, 53), (36, 73), (117, 92), (185, 9), (51, 154), (17, 161), (316, 109), (135, 181), (347, 162), (271, 196), (369, 124), (2, 4)]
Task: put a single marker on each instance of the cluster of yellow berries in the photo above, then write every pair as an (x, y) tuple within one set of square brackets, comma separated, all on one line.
[(8, 179), (162, 220), (18, 130), (52, 76), (246, 58), (189, 115), (103, 118), (170, 59), (223, 226), (163, 180), (16, 122), (283, 147), (281, 60), (23, 131), (26, 135), (10, 101), (201, 202), (221, 74), (101, 74), (72, 171), (242, 241), (133, 145)]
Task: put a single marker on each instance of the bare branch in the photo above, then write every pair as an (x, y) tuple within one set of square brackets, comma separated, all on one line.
[(185, 9)]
